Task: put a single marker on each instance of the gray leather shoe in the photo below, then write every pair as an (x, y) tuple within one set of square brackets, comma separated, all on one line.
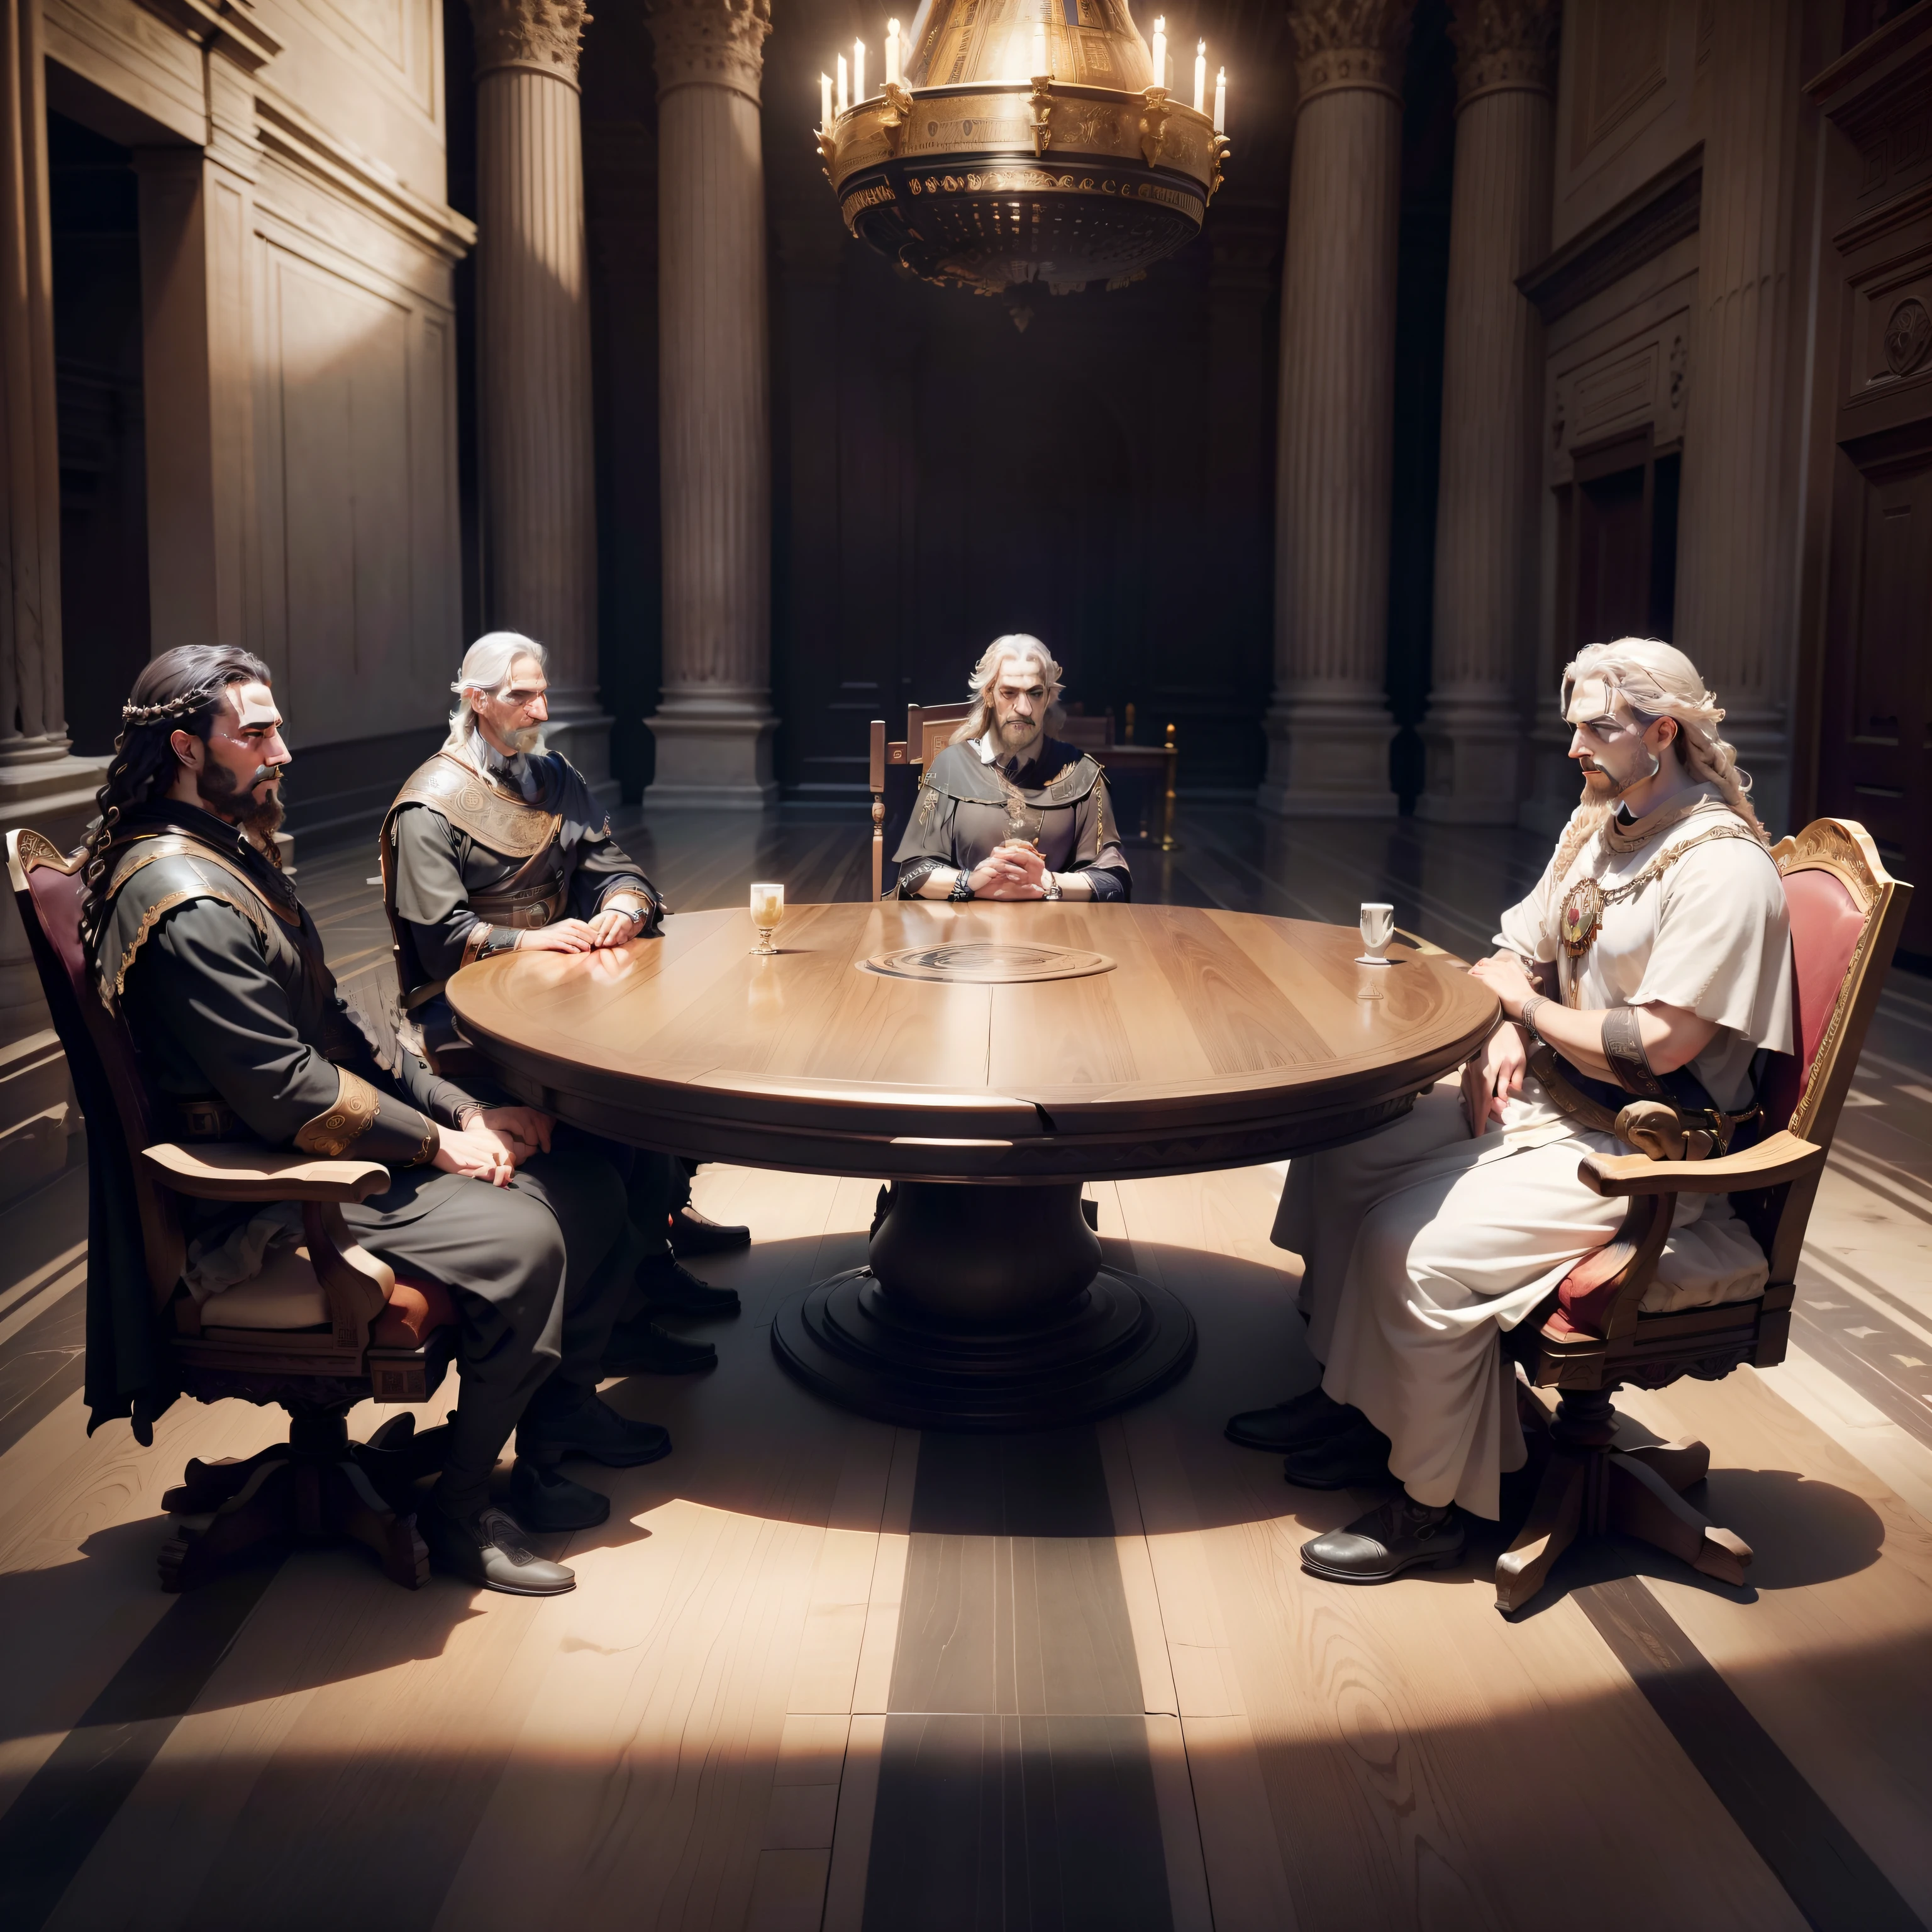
[(1397, 1536), (1358, 1458), (1311, 1417), (547, 1499), (488, 1549), (564, 1420)]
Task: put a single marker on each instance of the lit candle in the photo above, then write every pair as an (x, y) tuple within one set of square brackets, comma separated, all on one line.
[(1160, 52), (1039, 65), (1201, 77), (843, 102), (825, 100), (893, 75), (858, 72), (1221, 101)]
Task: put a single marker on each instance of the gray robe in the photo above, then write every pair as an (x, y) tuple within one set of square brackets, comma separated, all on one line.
[(1058, 799)]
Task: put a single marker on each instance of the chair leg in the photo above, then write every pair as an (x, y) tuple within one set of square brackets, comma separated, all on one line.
[(263, 1507), (1680, 1464), (352, 1507), (207, 1486), (1554, 1519), (1643, 1504)]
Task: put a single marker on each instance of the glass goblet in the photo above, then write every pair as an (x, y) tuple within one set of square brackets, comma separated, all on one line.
[(767, 912)]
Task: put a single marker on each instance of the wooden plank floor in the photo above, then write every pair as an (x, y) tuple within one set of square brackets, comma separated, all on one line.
[(814, 1661)]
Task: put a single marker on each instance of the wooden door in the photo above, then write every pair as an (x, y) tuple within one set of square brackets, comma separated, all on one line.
[(1875, 762)]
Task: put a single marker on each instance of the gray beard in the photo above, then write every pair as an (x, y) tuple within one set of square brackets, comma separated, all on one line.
[(1011, 740)]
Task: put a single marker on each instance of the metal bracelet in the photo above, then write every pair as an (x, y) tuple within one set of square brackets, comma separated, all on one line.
[(1052, 892), (1529, 1007), (1623, 1047)]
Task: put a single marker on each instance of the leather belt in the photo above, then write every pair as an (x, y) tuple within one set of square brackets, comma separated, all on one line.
[(206, 1120), (533, 906)]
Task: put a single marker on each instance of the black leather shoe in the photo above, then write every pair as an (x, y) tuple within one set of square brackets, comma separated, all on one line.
[(668, 1289), (639, 1347), (488, 1549), (563, 1420), (1311, 1417), (1400, 1535), (692, 1233), (1356, 1458), (547, 1499)]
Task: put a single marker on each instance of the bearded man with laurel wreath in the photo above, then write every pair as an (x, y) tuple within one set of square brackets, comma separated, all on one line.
[(1652, 962)]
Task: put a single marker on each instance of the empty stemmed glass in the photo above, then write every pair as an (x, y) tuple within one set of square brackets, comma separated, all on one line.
[(767, 910)]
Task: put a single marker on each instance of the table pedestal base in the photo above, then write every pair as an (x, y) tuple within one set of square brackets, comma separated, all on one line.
[(985, 1308)]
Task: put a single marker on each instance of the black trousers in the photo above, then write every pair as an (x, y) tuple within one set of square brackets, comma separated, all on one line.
[(538, 1271)]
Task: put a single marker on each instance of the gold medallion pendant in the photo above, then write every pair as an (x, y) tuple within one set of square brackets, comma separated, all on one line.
[(1582, 917)]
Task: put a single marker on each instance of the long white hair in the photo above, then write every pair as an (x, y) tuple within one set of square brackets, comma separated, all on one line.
[(1657, 680), (1015, 644), (486, 667)]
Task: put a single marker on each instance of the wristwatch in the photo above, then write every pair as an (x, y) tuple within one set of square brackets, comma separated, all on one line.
[(1051, 889)]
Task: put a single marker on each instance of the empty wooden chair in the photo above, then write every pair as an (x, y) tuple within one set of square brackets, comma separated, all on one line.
[(323, 1327), (1597, 1334)]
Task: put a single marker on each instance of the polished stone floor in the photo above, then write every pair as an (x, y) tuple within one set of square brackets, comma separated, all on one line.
[(822, 1671)]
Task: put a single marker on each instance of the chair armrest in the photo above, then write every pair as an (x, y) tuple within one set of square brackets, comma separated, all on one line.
[(1772, 1161), (233, 1170)]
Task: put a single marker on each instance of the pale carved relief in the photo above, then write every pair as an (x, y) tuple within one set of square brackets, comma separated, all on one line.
[(546, 34), (1908, 336), (1343, 43), (710, 43), (1504, 43)]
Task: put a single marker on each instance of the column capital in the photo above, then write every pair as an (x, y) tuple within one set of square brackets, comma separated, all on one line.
[(710, 44), (1505, 45), (1349, 43), (544, 36)]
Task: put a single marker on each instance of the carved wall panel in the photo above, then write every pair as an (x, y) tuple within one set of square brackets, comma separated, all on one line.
[(1630, 102)]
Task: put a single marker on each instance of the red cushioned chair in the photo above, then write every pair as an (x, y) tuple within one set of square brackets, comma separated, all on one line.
[(1846, 911), (320, 1329)]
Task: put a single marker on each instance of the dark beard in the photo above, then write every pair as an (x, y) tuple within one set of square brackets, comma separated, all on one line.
[(262, 818)]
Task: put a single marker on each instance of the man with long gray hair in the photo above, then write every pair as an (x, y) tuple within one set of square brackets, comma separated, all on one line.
[(1007, 810), (496, 845), (1652, 962)]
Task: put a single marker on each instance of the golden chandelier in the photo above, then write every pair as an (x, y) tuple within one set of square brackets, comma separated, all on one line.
[(1023, 141)]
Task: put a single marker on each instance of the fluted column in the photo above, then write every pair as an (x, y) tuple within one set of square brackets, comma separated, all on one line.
[(1485, 519), (714, 724), (1328, 722), (1737, 602), (533, 342)]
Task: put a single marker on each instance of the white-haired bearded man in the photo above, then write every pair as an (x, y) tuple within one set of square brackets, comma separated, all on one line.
[(525, 861), (1654, 959), (1007, 810)]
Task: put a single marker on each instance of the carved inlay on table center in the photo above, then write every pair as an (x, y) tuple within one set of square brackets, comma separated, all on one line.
[(986, 963)]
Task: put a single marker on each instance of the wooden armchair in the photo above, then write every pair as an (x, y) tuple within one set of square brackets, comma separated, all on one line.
[(320, 1329), (1594, 1335)]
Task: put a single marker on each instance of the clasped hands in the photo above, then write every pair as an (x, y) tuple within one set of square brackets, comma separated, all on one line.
[(1013, 870), (493, 1142), (611, 927)]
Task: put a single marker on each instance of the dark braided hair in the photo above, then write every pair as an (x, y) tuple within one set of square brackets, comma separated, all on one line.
[(179, 690)]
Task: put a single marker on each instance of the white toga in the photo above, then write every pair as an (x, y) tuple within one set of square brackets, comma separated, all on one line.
[(1419, 1242)]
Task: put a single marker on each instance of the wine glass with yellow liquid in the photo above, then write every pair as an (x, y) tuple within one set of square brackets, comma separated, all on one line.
[(767, 911)]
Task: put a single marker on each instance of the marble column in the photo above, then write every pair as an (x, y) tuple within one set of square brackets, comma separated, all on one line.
[(42, 784), (1738, 546), (533, 342), (714, 725), (1327, 723), (1486, 525)]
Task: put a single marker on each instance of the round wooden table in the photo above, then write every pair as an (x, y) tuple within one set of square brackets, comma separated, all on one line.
[(987, 1059)]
